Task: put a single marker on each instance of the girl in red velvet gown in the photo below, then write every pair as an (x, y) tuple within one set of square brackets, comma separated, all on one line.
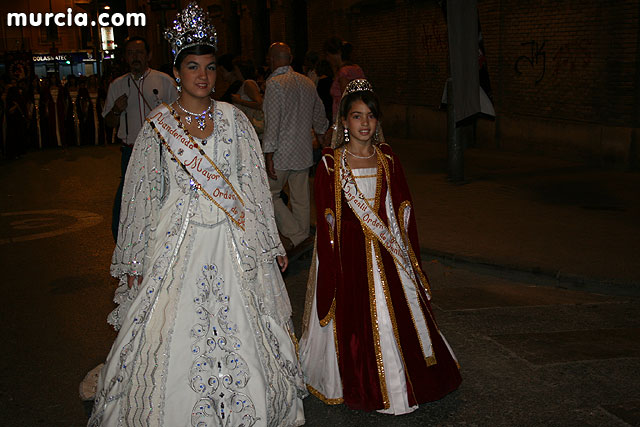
[(370, 338)]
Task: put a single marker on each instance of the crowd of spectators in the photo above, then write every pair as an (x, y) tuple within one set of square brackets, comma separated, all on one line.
[(49, 112)]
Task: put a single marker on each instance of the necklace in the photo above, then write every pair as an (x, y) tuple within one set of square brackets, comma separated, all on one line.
[(200, 118), (361, 157)]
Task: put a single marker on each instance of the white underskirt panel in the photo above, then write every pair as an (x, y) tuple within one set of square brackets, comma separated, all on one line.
[(393, 367), (318, 356)]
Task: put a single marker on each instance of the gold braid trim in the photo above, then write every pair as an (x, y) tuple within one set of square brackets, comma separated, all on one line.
[(322, 397), (331, 314), (368, 241), (337, 187), (405, 237), (392, 314), (431, 360), (416, 263), (330, 169)]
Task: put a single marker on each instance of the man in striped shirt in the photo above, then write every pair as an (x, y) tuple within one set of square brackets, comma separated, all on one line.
[(292, 108)]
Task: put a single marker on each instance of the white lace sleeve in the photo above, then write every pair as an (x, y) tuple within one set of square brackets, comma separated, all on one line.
[(255, 187), (138, 214)]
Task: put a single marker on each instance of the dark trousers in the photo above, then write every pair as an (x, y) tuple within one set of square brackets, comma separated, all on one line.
[(117, 203)]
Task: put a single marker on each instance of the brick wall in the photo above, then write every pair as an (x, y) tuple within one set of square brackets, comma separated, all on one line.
[(401, 46), (572, 60), (569, 61)]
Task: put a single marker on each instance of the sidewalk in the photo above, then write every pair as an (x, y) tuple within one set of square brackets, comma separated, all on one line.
[(519, 212)]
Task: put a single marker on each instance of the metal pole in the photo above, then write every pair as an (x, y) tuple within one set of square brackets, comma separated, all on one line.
[(455, 152), (96, 41)]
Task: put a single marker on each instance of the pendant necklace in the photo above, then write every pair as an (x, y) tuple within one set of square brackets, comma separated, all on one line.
[(200, 118), (361, 157)]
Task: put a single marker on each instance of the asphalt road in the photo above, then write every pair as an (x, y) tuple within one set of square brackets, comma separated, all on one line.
[(531, 354)]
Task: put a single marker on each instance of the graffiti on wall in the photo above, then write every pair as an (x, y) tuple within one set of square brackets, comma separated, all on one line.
[(571, 59), (434, 43), (535, 59)]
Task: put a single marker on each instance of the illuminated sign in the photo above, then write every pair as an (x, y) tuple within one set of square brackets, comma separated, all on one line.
[(49, 58)]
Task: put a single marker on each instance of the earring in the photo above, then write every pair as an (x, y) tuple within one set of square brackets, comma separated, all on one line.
[(346, 135), (213, 90), (179, 88)]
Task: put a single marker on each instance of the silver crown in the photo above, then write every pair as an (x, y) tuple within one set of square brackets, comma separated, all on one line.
[(191, 27), (357, 85)]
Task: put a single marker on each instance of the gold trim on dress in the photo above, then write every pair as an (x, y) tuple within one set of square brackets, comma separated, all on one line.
[(392, 314), (415, 262), (429, 360), (322, 397), (405, 237), (332, 226), (374, 321), (331, 314), (311, 287), (370, 240)]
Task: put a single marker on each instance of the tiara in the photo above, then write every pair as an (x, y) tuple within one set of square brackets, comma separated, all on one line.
[(191, 27), (357, 85)]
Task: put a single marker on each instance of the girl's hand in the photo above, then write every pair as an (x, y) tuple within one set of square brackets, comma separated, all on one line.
[(283, 262), (133, 279)]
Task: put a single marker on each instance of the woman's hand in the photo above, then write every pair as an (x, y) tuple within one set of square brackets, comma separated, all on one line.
[(268, 163), (133, 279), (283, 262)]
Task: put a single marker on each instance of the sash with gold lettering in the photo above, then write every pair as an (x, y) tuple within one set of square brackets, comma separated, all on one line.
[(372, 222), (198, 165)]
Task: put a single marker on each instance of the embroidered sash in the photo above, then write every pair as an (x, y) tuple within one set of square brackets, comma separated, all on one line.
[(193, 159), (371, 221)]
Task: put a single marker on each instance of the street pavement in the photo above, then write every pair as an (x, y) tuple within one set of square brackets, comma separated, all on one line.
[(533, 263)]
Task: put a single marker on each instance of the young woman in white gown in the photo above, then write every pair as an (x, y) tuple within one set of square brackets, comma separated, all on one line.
[(205, 336)]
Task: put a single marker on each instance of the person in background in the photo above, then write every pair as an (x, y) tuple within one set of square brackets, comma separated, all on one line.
[(309, 66), (292, 109), (248, 98), (86, 124), (231, 76), (130, 98), (16, 106), (325, 80), (338, 53), (47, 112)]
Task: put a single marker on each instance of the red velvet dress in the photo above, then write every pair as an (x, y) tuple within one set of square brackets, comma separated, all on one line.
[(347, 252)]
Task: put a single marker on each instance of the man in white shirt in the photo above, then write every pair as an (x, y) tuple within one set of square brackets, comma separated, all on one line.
[(130, 99), (291, 108)]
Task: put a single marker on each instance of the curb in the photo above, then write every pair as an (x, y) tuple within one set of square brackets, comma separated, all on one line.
[(538, 275)]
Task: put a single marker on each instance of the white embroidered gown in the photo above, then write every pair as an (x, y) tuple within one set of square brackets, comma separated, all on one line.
[(205, 339)]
